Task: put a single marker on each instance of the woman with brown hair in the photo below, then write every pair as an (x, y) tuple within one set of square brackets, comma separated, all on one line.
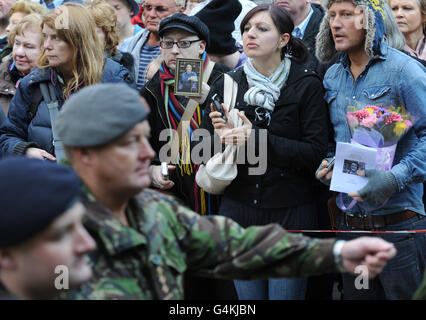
[(282, 108), (72, 58)]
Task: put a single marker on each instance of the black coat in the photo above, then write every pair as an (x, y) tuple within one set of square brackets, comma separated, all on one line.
[(296, 141)]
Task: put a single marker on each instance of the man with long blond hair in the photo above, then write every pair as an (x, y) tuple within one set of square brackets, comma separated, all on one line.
[(72, 58)]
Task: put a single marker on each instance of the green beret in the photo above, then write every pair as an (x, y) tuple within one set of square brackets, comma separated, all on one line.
[(33, 193), (99, 114)]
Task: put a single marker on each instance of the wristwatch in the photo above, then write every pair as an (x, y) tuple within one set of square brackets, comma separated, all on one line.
[(337, 253)]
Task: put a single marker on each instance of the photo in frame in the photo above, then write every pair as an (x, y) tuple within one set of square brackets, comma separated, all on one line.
[(188, 77)]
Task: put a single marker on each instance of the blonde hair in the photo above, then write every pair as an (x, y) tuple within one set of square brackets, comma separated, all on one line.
[(106, 19), (422, 6), (32, 20), (27, 7), (79, 31)]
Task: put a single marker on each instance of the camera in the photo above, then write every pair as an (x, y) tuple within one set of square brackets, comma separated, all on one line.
[(218, 106)]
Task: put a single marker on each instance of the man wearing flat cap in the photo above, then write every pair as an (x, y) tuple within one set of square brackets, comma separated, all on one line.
[(43, 244), (147, 240), (181, 36)]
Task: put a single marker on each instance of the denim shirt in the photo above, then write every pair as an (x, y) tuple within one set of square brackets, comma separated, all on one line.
[(391, 79)]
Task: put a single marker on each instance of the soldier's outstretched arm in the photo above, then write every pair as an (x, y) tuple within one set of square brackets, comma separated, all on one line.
[(218, 246)]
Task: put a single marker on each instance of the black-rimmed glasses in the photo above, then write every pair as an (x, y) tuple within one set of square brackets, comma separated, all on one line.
[(182, 44)]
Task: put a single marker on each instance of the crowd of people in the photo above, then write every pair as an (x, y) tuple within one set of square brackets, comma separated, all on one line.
[(143, 192)]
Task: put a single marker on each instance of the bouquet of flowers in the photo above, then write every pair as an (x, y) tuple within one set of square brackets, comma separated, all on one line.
[(379, 127)]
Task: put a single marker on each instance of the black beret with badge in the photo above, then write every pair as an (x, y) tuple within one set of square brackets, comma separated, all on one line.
[(33, 193), (99, 114)]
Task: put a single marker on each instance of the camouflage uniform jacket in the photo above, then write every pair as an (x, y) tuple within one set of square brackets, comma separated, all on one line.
[(147, 259)]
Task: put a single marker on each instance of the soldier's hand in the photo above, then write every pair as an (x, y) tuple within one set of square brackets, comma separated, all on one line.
[(368, 251), (157, 179)]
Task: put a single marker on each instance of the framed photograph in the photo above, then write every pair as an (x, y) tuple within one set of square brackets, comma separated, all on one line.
[(188, 77)]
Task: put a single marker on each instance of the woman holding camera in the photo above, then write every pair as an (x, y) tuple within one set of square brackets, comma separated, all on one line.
[(282, 107)]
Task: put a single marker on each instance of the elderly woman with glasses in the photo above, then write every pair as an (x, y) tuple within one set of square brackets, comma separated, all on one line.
[(283, 112)]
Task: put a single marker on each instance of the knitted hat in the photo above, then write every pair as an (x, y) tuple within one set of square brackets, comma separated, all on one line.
[(374, 24), (219, 16)]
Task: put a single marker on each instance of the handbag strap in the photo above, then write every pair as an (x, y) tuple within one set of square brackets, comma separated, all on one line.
[(49, 96), (187, 115), (230, 89)]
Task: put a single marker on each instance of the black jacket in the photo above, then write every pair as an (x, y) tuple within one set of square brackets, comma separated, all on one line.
[(296, 141)]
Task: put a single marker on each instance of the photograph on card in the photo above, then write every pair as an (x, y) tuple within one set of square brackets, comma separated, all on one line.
[(188, 77), (349, 159)]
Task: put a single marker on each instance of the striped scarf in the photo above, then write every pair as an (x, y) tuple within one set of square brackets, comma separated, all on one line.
[(174, 112)]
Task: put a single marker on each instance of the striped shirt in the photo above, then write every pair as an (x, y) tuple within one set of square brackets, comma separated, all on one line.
[(148, 54)]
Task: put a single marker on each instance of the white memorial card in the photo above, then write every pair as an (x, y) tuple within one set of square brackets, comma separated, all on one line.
[(349, 159)]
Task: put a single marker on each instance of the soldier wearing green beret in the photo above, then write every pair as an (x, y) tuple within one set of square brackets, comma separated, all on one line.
[(43, 244), (147, 240)]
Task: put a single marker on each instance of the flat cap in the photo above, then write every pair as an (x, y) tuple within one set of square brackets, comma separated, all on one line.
[(191, 24), (99, 114), (33, 193)]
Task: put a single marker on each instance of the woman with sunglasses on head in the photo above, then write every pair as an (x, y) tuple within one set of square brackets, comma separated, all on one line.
[(71, 58), (282, 108)]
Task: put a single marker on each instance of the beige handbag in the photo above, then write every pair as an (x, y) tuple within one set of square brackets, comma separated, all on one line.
[(221, 169)]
